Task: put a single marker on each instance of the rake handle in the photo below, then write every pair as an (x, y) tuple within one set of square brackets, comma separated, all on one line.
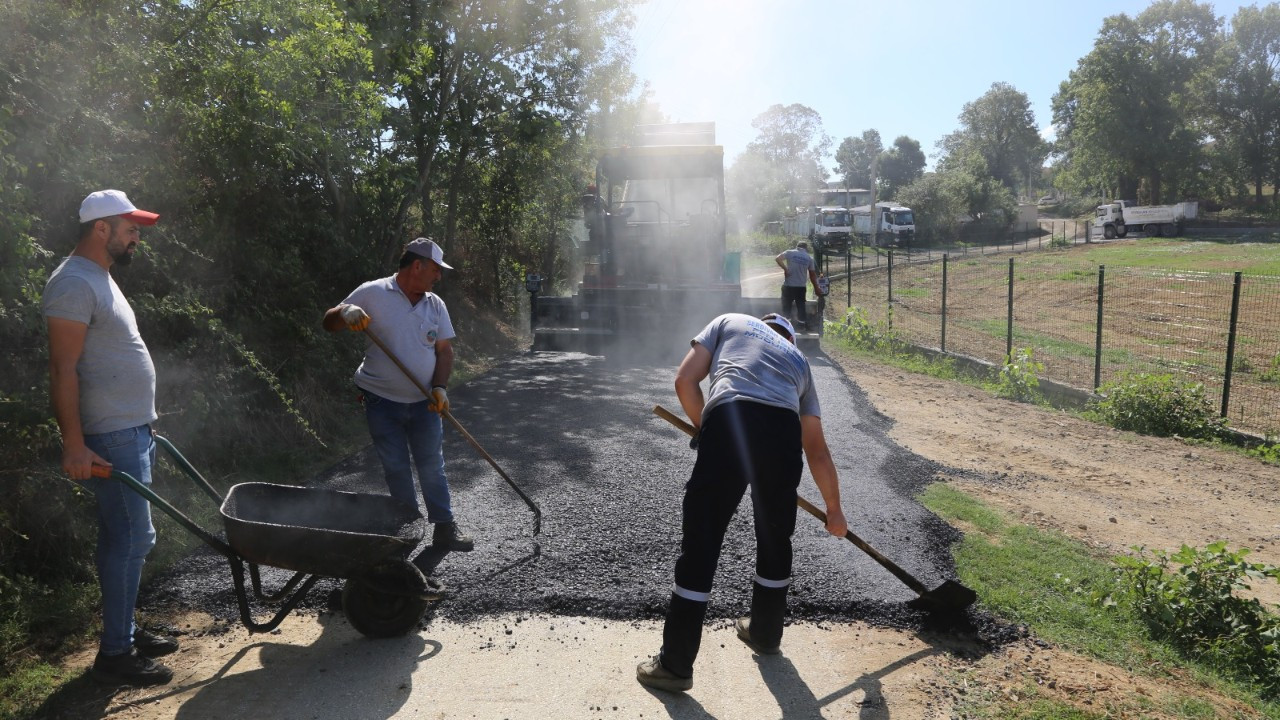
[(537, 512)]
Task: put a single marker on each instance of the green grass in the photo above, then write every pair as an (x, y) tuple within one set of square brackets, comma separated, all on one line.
[(1051, 583), (1194, 255)]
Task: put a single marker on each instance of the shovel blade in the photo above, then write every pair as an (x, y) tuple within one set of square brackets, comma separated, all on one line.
[(950, 596)]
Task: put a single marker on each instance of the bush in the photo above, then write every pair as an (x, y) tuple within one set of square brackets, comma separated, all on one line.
[(1195, 608), (1018, 378), (861, 333), (1158, 405)]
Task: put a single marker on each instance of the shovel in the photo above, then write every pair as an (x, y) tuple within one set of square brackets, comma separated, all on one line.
[(948, 597), (537, 512)]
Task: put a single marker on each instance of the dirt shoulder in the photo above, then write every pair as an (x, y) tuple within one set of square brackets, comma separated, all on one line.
[(1107, 488)]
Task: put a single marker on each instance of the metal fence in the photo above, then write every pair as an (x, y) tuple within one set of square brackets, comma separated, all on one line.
[(1088, 327)]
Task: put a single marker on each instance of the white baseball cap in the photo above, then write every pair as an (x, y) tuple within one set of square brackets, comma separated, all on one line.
[(423, 247), (782, 323), (110, 203)]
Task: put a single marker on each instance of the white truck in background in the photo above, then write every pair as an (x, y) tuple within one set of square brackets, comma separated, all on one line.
[(894, 224), (1117, 219), (830, 229)]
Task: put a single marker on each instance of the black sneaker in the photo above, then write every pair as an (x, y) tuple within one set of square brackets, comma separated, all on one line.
[(151, 645), (447, 536), (129, 669)]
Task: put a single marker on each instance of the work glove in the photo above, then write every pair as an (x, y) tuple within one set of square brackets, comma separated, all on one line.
[(439, 401), (355, 317)]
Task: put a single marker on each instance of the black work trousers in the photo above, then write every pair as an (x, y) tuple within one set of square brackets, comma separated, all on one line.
[(743, 444), (795, 295)]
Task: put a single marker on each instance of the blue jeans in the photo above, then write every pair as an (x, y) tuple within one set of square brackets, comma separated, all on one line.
[(408, 436), (125, 532)]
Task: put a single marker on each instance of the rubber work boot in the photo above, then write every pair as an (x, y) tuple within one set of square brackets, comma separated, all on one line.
[(650, 673), (151, 645), (129, 669), (447, 536), (743, 626)]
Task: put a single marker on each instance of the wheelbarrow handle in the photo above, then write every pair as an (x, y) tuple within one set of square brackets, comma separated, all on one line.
[(102, 471)]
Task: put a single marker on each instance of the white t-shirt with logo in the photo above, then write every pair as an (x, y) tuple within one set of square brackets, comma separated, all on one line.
[(411, 331)]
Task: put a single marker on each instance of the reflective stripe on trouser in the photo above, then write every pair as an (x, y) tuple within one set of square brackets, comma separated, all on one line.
[(743, 444)]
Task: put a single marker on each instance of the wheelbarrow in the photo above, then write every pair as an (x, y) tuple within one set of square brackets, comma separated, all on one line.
[(360, 537)]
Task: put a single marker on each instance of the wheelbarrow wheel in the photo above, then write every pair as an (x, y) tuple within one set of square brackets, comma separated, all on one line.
[(387, 601)]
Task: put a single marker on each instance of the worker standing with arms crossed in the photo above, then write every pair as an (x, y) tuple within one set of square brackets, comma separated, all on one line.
[(757, 425)]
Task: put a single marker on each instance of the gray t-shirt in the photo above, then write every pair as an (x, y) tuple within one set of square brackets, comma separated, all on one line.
[(117, 378), (411, 331), (799, 263), (749, 361)]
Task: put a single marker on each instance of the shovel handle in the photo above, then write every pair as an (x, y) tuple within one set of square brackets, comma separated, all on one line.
[(885, 562)]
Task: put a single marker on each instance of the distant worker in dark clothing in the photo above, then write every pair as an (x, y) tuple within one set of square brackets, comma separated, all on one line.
[(758, 423), (799, 268)]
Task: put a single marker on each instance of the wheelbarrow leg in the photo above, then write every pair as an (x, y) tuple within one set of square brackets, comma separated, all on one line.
[(242, 598)]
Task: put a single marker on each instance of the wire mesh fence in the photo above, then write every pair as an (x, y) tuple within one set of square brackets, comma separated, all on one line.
[(1218, 329)]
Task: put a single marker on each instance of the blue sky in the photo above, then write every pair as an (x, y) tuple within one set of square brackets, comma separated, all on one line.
[(903, 68)]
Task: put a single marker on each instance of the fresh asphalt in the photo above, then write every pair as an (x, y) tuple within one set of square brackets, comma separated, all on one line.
[(576, 432)]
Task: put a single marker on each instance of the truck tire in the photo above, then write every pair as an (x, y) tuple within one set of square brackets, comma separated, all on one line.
[(1121, 230), (1109, 232), (1168, 230)]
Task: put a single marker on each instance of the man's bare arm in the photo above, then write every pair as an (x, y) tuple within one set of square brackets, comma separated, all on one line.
[(695, 366), (66, 345), (823, 470)]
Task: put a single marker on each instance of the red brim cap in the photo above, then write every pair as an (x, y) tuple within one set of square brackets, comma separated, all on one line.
[(142, 217)]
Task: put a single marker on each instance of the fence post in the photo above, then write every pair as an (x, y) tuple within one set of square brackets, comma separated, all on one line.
[(848, 281), (1231, 343), (1097, 342), (889, 275), (1008, 352), (944, 302)]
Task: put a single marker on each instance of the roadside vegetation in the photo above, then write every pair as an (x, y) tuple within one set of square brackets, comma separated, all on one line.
[(1150, 614)]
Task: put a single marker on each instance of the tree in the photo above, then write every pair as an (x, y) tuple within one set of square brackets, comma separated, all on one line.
[(1129, 111), (1246, 95), (791, 140), (900, 166), (855, 156), (1001, 128)]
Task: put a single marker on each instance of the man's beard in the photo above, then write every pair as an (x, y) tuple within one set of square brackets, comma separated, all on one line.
[(122, 256)]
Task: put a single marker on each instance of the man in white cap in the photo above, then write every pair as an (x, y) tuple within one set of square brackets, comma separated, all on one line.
[(406, 428), (758, 423), (103, 387)]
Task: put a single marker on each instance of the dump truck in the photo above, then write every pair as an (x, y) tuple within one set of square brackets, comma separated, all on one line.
[(894, 224), (655, 268), (831, 230), (1119, 218)]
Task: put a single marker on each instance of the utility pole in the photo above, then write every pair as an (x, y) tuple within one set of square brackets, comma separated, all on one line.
[(874, 216)]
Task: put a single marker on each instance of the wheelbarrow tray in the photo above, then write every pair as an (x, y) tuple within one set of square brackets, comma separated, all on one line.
[(318, 531)]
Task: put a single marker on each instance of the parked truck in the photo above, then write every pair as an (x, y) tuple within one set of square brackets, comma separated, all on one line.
[(829, 229), (1119, 218), (894, 224)]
